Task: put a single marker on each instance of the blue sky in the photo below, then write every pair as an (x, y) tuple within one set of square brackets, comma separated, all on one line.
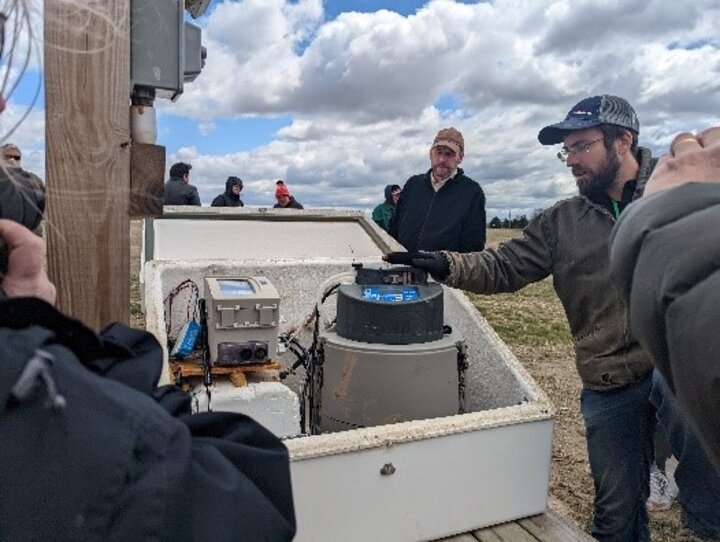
[(340, 98)]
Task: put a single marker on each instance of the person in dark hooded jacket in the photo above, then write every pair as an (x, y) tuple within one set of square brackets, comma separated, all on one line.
[(231, 196), (384, 212)]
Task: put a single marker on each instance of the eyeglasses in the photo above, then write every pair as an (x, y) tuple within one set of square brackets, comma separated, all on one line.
[(13, 158), (576, 148)]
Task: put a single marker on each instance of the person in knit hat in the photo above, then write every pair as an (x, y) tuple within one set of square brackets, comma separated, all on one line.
[(284, 199), (231, 196), (441, 209)]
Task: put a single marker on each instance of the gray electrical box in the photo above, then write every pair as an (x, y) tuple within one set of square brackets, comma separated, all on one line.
[(165, 51), (243, 319), (194, 52)]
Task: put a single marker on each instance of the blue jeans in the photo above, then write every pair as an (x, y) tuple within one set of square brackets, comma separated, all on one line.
[(696, 476), (620, 425)]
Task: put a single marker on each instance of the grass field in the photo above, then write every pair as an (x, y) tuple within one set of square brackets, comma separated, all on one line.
[(532, 323)]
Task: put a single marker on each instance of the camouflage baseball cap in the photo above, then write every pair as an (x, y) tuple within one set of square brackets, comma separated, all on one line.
[(589, 113)]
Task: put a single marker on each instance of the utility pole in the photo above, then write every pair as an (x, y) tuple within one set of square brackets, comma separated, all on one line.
[(87, 74)]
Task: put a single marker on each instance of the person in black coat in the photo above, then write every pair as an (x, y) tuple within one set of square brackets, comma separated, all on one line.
[(442, 209), (178, 190), (93, 449), (231, 196)]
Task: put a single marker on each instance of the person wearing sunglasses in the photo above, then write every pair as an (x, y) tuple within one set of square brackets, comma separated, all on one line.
[(622, 397), (22, 193)]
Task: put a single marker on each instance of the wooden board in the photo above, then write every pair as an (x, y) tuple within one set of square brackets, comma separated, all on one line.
[(87, 133), (551, 526), (547, 527), (507, 532), (189, 369), (147, 184)]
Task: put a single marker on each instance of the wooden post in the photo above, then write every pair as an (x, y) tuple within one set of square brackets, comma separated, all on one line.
[(87, 134)]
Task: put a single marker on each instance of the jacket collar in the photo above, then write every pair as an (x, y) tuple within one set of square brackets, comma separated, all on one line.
[(458, 173), (646, 165)]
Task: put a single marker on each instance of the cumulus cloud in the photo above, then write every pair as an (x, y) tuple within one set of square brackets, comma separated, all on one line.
[(361, 90)]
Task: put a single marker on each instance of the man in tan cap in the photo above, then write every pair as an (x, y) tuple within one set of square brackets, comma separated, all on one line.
[(441, 209)]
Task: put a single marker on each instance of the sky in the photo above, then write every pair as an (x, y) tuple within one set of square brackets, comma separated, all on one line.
[(342, 97)]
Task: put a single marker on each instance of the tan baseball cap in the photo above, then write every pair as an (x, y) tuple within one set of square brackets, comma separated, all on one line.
[(451, 138)]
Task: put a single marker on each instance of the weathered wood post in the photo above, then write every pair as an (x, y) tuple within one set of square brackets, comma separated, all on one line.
[(87, 95)]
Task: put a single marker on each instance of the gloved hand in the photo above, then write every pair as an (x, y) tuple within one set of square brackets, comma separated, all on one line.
[(432, 262)]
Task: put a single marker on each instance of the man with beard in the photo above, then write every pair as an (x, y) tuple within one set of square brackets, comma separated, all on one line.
[(622, 398), (441, 209)]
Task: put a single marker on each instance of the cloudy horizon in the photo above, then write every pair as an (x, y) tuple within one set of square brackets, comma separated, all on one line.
[(339, 103)]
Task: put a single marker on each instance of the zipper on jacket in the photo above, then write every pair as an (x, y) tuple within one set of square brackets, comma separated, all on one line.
[(427, 216)]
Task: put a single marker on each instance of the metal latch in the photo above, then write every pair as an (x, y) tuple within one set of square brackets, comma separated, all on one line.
[(227, 316), (266, 314)]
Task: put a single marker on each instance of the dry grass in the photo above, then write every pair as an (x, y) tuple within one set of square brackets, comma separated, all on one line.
[(137, 318)]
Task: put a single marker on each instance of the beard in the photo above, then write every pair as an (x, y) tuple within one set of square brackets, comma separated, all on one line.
[(595, 183)]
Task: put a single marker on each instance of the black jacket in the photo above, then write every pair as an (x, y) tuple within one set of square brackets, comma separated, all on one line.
[(22, 197), (665, 257), (93, 450), (294, 204), (178, 192), (453, 218), (229, 198)]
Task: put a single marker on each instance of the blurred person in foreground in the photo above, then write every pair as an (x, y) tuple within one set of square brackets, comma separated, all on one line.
[(92, 448), (665, 257), (231, 196), (622, 397), (383, 213), (441, 209)]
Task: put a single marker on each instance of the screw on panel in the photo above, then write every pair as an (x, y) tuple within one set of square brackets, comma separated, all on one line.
[(387, 469)]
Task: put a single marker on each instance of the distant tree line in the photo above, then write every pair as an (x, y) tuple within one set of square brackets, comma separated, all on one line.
[(517, 222)]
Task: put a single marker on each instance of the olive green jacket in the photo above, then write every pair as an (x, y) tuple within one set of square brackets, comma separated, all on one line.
[(570, 242)]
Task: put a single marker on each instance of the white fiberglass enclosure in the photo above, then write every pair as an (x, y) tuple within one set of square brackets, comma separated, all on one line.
[(414, 480)]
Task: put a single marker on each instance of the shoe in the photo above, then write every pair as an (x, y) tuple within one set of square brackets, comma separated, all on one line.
[(662, 493)]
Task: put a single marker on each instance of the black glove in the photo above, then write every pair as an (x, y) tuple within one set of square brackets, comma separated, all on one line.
[(432, 262)]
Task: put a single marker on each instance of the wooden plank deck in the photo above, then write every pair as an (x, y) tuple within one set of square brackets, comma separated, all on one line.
[(547, 527)]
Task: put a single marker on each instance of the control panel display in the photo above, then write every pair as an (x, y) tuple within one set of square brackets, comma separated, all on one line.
[(235, 287), (390, 294)]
